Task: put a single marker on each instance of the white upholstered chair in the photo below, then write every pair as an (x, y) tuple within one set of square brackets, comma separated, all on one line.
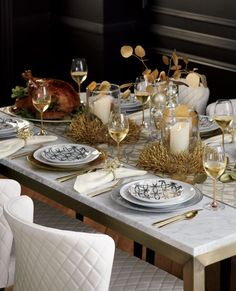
[(128, 272), (53, 259), (195, 98), (8, 189)]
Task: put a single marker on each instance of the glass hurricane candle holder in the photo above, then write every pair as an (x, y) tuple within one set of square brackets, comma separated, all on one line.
[(180, 134), (104, 99)]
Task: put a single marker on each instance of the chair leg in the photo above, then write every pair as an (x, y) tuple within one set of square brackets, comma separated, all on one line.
[(150, 256), (225, 274), (138, 250), (78, 216)]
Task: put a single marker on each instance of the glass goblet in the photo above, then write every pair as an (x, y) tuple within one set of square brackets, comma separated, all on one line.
[(41, 100), (118, 128), (141, 94), (214, 163), (79, 71), (223, 115)]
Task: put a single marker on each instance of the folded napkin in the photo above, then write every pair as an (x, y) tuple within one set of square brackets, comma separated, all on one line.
[(10, 146), (100, 179), (218, 138)]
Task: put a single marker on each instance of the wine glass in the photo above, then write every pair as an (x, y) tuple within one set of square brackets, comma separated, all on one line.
[(141, 94), (214, 163), (223, 115), (41, 100), (118, 127), (79, 71)]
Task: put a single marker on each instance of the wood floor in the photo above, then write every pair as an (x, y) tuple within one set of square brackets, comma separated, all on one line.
[(212, 272)]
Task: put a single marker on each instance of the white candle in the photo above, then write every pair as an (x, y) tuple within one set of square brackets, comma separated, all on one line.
[(102, 108), (179, 137)]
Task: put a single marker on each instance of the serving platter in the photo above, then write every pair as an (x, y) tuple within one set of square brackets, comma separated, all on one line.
[(8, 110)]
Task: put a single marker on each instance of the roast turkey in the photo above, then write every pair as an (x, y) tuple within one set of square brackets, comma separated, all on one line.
[(64, 98)]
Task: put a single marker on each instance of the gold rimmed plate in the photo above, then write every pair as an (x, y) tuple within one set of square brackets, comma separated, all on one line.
[(41, 165)]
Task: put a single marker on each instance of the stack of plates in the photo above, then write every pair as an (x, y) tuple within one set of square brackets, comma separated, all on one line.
[(207, 125), (157, 195), (9, 126), (66, 156), (130, 105)]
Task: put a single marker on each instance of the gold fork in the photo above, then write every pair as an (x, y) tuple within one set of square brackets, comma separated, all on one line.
[(24, 153)]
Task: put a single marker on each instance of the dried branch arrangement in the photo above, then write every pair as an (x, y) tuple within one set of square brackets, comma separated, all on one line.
[(177, 67)]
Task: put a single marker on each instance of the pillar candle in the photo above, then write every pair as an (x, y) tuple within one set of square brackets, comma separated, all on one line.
[(179, 137), (102, 107)]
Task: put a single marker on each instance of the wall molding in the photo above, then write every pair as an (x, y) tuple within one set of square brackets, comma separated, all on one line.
[(193, 16), (94, 27), (194, 37), (200, 60)]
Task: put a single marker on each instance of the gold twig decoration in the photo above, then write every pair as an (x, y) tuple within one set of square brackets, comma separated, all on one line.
[(86, 128), (157, 158)]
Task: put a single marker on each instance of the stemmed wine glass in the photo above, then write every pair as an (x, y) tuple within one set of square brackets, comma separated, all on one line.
[(214, 163), (79, 71), (223, 114), (41, 100), (141, 94), (118, 128)]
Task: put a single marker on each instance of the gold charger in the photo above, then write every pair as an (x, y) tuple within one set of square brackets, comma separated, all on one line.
[(43, 166)]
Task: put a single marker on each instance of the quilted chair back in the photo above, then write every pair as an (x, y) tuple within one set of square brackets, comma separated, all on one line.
[(195, 98), (8, 189), (50, 259)]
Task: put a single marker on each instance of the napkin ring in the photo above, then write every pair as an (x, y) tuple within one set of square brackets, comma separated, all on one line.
[(24, 133), (111, 166)]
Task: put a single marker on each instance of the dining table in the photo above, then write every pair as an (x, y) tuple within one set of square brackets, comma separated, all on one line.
[(196, 243)]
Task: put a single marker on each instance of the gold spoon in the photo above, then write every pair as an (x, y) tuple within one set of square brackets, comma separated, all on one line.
[(186, 215)]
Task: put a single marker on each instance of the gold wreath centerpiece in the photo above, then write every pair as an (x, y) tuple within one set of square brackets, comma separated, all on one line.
[(87, 128), (159, 157)]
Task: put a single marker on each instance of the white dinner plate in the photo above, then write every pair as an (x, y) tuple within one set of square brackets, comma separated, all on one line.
[(187, 192), (116, 197), (206, 124), (94, 154), (67, 153), (10, 126)]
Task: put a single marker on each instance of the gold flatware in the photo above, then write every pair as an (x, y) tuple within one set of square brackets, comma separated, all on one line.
[(75, 174), (104, 190), (187, 215), (24, 153)]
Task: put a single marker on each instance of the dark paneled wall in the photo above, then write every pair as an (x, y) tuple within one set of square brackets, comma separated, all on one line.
[(95, 30), (45, 37), (205, 31)]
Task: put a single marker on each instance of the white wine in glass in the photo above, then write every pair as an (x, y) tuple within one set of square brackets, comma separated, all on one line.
[(214, 163), (141, 94), (79, 71), (118, 128), (223, 115), (41, 100)]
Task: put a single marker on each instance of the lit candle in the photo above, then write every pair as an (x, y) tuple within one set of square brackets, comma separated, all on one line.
[(101, 107), (179, 137)]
